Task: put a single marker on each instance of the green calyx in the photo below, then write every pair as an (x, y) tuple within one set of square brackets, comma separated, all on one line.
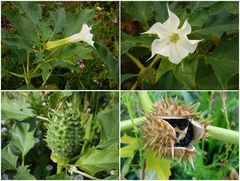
[(64, 135), (57, 43)]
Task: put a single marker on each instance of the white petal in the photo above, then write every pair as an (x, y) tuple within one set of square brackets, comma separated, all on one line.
[(83, 35), (172, 22), (186, 28), (158, 29), (189, 45), (160, 47), (177, 53)]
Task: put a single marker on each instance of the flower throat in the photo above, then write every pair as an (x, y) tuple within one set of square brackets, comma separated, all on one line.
[(174, 37)]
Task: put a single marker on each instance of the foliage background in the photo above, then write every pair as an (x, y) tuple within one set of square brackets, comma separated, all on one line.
[(27, 26), (214, 65), (24, 151), (215, 160)]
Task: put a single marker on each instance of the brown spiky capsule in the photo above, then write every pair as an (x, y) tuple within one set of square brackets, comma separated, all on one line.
[(170, 128)]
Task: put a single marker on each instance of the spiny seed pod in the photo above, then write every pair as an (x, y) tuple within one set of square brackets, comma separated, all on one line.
[(169, 129), (64, 134)]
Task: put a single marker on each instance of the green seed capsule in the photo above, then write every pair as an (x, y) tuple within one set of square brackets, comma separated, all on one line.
[(64, 134)]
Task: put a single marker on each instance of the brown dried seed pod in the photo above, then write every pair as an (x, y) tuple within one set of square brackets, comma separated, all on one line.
[(169, 129)]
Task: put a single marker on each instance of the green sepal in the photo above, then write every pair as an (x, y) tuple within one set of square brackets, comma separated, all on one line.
[(59, 160)]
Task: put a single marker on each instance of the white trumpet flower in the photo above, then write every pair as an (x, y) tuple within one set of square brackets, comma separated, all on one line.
[(173, 42), (84, 35)]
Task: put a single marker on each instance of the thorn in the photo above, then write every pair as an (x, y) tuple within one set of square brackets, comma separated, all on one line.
[(172, 148), (191, 162)]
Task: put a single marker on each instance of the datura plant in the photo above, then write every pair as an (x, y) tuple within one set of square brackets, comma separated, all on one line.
[(173, 42), (84, 35), (170, 128)]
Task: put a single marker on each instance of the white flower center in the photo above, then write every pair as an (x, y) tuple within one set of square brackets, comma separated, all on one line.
[(174, 37)]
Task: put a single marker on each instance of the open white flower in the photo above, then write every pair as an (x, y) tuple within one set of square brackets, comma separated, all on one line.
[(173, 42), (83, 35)]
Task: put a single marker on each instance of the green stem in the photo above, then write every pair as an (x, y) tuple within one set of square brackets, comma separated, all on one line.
[(225, 135), (83, 173), (15, 74), (45, 81), (155, 60), (145, 101), (28, 62), (23, 160), (135, 60), (59, 168), (221, 134), (135, 85)]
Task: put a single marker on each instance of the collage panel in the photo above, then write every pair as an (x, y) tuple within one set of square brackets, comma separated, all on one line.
[(179, 135), (60, 45), (179, 45), (60, 135)]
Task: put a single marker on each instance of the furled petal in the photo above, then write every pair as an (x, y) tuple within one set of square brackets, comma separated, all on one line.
[(83, 35), (189, 45), (160, 47), (186, 28), (172, 22), (158, 29), (177, 53)]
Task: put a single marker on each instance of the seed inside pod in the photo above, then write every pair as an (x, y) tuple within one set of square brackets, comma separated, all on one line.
[(170, 129)]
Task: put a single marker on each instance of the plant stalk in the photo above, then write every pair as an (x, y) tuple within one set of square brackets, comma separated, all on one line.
[(59, 168), (135, 60), (145, 101)]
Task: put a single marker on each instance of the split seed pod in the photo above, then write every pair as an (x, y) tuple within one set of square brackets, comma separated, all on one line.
[(170, 129)]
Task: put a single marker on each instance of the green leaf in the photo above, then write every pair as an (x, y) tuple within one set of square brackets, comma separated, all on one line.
[(105, 55), (74, 52), (164, 67), (22, 137), (44, 30), (32, 10), (9, 160), (205, 76), (161, 15), (141, 11), (218, 24), (157, 168), (46, 69), (23, 173), (99, 160), (16, 40), (127, 76), (59, 176), (16, 108), (137, 41), (166, 82), (130, 149), (224, 60), (22, 25), (58, 18), (74, 22), (108, 120), (186, 72)]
